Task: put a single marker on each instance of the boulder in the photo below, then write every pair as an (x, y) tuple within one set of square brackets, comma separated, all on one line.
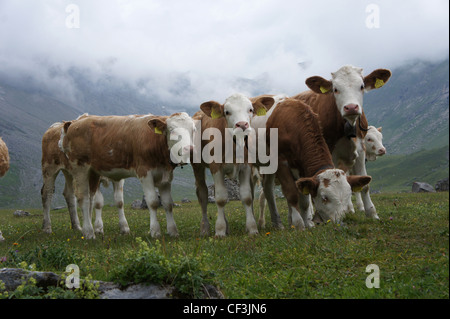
[(232, 187), (21, 213), (420, 187), (185, 200), (442, 185), (13, 278)]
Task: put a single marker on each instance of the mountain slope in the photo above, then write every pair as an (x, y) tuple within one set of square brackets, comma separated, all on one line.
[(413, 108)]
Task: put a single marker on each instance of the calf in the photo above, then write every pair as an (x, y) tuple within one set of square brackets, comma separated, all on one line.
[(339, 105), (303, 153), (119, 147), (368, 150), (228, 119), (53, 161), (4, 165)]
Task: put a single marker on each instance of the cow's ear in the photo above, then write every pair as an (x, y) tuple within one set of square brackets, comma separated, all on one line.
[(307, 185), (379, 129), (376, 79), (66, 126), (212, 109), (358, 182), (319, 84), (263, 104), (157, 124)]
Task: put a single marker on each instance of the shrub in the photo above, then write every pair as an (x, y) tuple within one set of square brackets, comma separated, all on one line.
[(150, 265)]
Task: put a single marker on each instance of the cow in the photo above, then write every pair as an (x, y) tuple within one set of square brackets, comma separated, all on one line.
[(4, 165), (339, 105), (368, 150), (148, 147), (53, 161), (229, 119), (306, 165)]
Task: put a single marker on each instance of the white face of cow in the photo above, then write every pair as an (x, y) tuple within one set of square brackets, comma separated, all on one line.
[(238, 111), (348, 86), (179, 130), (374, 143), (331, 192), (348, 90)]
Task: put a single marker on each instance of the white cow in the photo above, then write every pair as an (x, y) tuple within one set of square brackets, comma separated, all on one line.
[(369, 150), (227, 120)]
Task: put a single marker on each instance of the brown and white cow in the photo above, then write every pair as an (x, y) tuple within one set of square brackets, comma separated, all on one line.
[(53, 161), (339, 105), (4, 165), (147, 147), (221, 123), (305, 157), (368, 150)]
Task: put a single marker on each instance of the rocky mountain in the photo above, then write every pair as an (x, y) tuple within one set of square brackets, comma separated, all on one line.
[(412, 108)]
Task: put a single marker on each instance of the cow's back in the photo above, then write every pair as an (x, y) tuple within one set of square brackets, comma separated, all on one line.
[(110, 142)]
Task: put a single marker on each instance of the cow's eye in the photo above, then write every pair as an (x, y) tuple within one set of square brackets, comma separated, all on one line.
[(369, 140), (250, 111), (336, 91), (325, 199), (362, 87), (227, 113)]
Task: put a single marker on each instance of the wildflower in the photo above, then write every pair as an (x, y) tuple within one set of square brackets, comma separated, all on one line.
[(15, 244), (82, 237), (328, 221), (3, 259), (268, 233), (68, 239)]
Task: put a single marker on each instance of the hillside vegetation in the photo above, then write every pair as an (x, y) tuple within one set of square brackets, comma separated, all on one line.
[(410, 245)]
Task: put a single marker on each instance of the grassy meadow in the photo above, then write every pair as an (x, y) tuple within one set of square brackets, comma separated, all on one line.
[(410, 245)]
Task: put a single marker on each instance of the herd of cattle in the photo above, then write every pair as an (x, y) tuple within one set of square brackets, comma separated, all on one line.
[(323, 143)]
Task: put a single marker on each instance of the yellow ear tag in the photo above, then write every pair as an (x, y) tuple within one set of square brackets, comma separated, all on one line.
[(157, 130), (215, 114), (261, 111), (305, 191), (357, 189), (379, 83), (323, 89)]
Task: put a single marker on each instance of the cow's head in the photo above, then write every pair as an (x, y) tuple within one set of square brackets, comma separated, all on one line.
[(238, 110), (373, 143), (179, 129), (348, 86), (331, 192)]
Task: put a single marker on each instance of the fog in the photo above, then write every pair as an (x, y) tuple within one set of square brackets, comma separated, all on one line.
[(188, 52)]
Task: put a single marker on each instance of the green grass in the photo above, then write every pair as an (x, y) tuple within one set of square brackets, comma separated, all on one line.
[(410, 245)]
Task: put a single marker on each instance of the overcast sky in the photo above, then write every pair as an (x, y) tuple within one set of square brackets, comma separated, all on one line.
[(213, 42)]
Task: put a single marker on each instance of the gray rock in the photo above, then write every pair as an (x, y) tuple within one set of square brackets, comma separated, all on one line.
[(139, 291), (13, 277), (420, 187), (185, 200), (232, 187), (21, 213), (442, 185)]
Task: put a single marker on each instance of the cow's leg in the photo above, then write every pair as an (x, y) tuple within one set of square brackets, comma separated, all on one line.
[(245, 191), (167, 202), (98, 206), (306, 209), (118, 199), (47, 190), (262, 208), (71, 200), (202, 195), (81, 186), (221, 197), (268, 187), (360, 169), (290, 191), (151, 197)]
